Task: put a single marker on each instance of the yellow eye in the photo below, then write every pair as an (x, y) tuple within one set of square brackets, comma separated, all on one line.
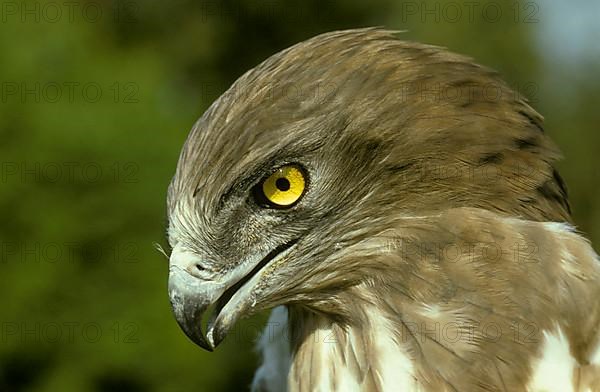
[(284, 187)]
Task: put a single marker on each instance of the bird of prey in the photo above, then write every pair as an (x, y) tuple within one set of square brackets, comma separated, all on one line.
[(398, 208)]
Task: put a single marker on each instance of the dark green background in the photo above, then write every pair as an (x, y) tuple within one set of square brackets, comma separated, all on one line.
[(84, 176)]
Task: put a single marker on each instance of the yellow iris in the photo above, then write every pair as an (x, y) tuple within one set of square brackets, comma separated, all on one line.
[(285, 186)]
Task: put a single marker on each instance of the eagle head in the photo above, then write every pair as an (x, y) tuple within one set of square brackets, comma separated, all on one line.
[(285, 178)]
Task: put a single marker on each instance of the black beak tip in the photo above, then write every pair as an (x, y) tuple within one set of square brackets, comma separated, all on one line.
[(198, 338)]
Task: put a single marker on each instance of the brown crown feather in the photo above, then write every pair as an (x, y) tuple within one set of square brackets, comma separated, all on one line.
[(444, 131)]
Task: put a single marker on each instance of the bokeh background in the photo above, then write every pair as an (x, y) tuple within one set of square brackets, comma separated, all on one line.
[(96, 101)]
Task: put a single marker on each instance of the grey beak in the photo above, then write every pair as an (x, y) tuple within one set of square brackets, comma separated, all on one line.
[(192, 293), (190, 299)]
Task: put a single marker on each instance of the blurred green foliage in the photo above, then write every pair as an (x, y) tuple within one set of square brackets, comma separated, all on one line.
[(97, 99)]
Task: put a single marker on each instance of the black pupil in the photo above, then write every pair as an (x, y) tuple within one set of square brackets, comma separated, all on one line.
[(282, 184)]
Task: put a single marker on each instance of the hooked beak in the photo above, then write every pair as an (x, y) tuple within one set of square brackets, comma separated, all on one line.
[(232, 295), (190, 298)]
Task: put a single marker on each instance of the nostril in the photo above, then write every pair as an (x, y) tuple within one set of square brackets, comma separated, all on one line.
[(191, 262), (197, 270)]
